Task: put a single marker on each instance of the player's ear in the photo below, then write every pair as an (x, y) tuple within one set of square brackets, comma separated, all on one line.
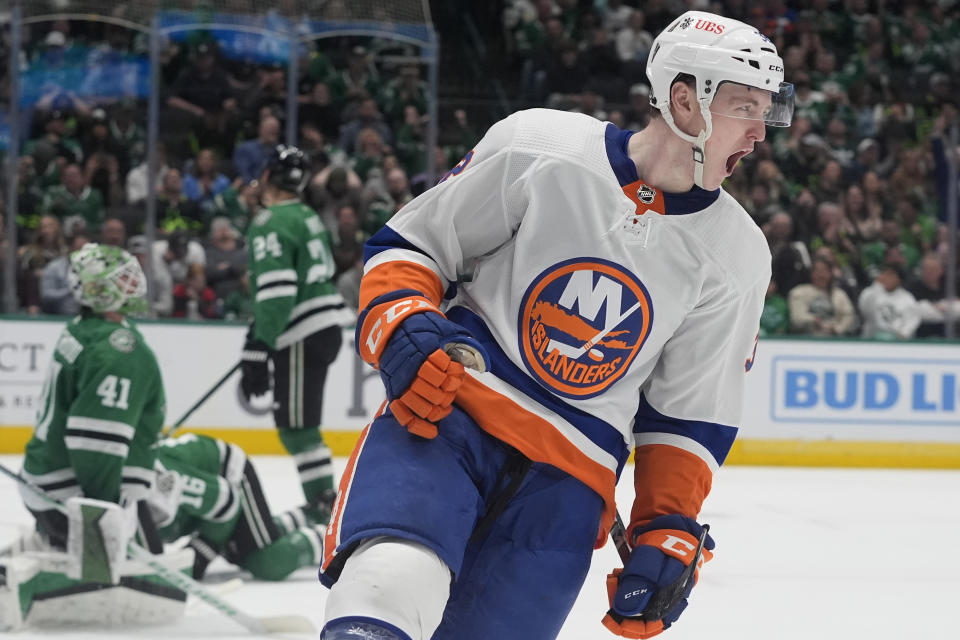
[(683, 104)]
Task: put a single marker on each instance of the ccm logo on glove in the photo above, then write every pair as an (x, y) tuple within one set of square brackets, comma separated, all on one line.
[(674, 545), (388, 316)]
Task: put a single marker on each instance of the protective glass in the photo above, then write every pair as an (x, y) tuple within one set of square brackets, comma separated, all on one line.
[(775, 108)]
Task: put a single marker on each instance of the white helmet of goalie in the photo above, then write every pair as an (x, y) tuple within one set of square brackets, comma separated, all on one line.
[(105, 278), (714, 50)]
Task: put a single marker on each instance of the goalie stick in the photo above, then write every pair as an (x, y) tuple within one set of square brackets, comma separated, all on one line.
[(254, 624), (196, 405)]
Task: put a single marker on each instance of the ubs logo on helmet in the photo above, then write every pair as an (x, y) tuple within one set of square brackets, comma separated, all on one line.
[(709, 26), (582, 323)]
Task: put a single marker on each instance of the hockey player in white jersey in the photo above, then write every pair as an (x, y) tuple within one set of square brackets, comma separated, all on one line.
[(613, 301)]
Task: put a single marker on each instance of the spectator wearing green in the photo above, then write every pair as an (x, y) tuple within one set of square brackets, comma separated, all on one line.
[(404, 91), (358, 81), (55, 142), (127, 134), (775, 319), (386, 206), (319, 67), (835, 232), (238, 203), (875, 254), (918, 229), (370, 150), (411, 141), (175, 211), (29, 195), (74, 197)]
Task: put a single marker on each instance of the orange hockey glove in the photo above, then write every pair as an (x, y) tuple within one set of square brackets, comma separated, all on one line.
[(651, 591), (430, 396)]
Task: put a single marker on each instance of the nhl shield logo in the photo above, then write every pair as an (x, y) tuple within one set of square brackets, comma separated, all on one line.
[(646, 195), (582, 323)]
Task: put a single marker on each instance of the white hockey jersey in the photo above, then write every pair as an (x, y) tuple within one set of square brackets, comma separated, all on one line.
[(615, 315)]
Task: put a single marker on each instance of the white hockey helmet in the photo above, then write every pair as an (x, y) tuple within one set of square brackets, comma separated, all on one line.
[(106, 278), (714, 50)]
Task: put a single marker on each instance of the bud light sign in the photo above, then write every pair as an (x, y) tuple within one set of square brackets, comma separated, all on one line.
[(888, 391)]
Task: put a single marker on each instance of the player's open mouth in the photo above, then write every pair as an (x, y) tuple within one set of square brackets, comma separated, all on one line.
[(734, 159)]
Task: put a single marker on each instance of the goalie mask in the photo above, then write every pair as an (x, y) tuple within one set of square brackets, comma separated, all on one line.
[(715, 50), (106, 278)]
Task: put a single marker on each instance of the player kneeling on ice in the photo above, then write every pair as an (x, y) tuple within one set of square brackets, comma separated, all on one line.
[(614, 300), (208, 490), (101, 411)]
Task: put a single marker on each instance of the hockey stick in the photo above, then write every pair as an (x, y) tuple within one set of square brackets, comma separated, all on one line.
[(576, 352), (618, 533), (196, 405), (222, 589), (259, 625)]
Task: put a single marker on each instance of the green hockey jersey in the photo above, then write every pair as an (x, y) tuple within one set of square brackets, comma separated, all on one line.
[(291, 271), (101, 412)]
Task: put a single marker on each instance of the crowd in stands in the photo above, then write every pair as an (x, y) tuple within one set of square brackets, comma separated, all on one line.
[(852, 197), (84, 174)]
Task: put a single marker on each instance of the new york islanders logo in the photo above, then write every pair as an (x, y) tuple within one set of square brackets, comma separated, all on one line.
[(582, 322)]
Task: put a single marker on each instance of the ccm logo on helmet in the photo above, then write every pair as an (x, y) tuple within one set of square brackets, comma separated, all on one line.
[(774, 67)]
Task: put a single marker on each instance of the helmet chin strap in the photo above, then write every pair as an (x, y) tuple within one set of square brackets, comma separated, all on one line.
[(699, 143)]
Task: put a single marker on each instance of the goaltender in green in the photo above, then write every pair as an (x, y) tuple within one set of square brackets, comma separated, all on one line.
[(97, 449)]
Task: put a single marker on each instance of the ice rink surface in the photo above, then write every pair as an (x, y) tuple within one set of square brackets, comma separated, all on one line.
[(825, 554)]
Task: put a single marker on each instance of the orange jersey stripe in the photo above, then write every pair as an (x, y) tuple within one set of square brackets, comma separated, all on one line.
[(668, 480), (400, 274), (539, 440), (331, 537)]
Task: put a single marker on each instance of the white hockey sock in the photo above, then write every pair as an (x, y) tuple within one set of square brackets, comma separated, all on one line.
[(398, 581)]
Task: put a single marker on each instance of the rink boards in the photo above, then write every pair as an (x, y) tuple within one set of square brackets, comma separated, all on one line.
[(808, 402)]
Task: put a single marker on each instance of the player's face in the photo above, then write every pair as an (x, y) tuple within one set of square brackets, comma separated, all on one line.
[(737, 112)]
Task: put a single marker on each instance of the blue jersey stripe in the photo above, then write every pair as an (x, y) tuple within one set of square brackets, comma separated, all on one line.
[(617, 141), (601, 433), (716, 438), (386, 239)]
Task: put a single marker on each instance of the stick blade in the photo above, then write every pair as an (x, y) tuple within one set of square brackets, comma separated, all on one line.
[(287, 624)]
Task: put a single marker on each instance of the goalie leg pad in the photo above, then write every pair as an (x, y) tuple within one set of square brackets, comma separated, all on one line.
[(402, 584), (97, 538), (35, 591)]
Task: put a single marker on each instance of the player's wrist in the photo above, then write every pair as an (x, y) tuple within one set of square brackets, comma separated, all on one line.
[(378, 322)]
